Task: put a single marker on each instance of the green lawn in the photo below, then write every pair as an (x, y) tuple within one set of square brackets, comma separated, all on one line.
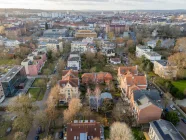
[(39, 82), (7, 61), (138, 134), (181, 85), (34, 92), (41, 95)]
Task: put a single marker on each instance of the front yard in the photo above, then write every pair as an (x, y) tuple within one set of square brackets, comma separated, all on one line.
[(181, 85), (7, 61)]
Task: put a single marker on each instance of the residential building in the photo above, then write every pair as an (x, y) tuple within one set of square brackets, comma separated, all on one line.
[(163, 130), (74, 61), (79, 46), (96, 78), (12, 81), (115, 61), (141, 50), (147, 53), (12, 32), (108, 48), (165, 70), (122, 71), (152, 43), (116, 28), (85, 33), (55, 33), (152, 56), (69, 85), (84, 129), (53, 45), (34, 62), (131, 82), (146, 105)]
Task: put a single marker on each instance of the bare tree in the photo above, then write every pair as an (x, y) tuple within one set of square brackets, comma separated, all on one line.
[(48, 138), (40, 119), (180, 45), (89, 58), (19, 136), (120, 131), (73, 108), (24, 108), (60, 67)]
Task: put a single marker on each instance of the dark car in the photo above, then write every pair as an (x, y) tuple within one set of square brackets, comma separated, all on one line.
[(184, 120), (61, 135), (39, 130), (36, 138)]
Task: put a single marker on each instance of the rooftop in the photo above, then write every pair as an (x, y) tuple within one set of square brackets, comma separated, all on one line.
[(11, 73), (142, 47), (152, 53), (166, 130)]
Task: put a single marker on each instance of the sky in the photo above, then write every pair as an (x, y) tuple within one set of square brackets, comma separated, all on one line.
[(94, 4)]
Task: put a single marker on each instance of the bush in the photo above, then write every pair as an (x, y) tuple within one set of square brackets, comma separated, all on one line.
[(179, 95), (173, 90)]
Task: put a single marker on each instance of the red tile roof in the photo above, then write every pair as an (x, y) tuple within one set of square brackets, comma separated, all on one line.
[(74, 129), (96, 77), (71, 77)]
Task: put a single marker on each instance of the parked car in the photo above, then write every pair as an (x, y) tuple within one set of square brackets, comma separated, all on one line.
[(36, 138), (184, 120), (61, 135), (9, 129), (172, 107)]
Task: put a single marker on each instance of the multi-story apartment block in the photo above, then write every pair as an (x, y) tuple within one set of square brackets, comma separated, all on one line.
[(85, 33), (53, 45), (146, 105), (147, 53), (79, 46), (55, 33), (12, 81), (74, 61), (34, 62), (84, 130), (163, 130), (165, 70), (69, 85)]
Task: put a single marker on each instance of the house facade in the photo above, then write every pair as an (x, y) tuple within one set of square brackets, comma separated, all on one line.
[(79, 46), (34, 62), (146, 105), (164, 70), (69, 85)]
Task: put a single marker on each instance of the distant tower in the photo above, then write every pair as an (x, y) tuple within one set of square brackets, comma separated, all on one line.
[(67, 13), (6, 14), (102, 13)]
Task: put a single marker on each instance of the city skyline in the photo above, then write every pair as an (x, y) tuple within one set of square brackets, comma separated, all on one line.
[(95, 4)]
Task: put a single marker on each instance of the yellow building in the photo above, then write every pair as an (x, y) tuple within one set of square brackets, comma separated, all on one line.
[(85, 34), (165, 71)]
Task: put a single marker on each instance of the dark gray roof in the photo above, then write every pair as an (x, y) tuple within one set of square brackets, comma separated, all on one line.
[(73, 68), (165, 130), (152, 94)]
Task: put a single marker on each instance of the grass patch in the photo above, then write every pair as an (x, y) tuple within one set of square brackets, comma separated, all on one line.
[(41, 94), (106, 132), (7, 62), (181, 85), (40, 82), (4, 126), (138, 134), (34, 92)]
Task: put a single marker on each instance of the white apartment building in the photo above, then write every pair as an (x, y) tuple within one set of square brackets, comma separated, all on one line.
[(53, 45), (147, 52), (74, 61), (2, 95), (79, 46)]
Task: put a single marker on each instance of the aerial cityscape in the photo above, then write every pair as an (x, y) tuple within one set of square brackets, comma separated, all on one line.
[(92, 70)]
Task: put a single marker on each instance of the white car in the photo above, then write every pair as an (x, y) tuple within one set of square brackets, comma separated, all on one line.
[(172, 107)]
